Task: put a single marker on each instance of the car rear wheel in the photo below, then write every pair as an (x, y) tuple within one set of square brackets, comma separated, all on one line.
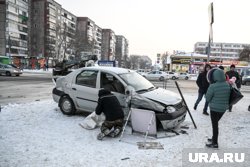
[(67, 106), (8, 73), (161, 78), (186, 78), (173, 77)]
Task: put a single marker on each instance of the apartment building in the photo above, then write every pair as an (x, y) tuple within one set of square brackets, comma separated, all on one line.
[(14, 25), (56, 27), (222, 51), (89, 37), (108, 45), (121, 50)]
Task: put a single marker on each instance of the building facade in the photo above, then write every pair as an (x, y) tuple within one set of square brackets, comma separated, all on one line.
[(14, 26), (36, 33), (89, 37), (108, 45), (221, 51), (194, 62), (56, 27), (121, 50)]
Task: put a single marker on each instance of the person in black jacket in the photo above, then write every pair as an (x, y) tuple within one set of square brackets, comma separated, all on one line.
[(109, 105), (203, 85), (232, 73)]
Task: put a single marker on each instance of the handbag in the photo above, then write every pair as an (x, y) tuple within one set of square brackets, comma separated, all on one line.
[(235, 96)]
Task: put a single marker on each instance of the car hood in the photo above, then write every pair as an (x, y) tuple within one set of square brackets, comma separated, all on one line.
[(163, 96)]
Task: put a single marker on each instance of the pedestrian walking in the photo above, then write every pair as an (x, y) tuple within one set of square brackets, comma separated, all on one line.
[(203, 85), (217, 96)]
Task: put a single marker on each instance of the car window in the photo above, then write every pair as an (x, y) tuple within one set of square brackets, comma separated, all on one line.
[(87, 78), (137, 81), (110, 82)]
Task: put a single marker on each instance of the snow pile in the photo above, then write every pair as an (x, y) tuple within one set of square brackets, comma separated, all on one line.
[(38, 134)]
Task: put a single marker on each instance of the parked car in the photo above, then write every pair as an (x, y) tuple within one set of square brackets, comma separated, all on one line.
[(142, 71), (8, 70), (184, 75), (79, 91), (156, 75), (246, 76), (172, 75)]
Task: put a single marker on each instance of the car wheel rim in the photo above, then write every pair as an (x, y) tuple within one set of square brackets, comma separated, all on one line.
[(66, 106)]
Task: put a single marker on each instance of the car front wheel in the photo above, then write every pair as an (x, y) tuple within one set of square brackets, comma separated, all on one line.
[(8, 73), (67, 106), (186, 78), (173, 77)]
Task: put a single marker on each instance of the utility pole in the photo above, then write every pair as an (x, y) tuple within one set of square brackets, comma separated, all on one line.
[(211, 21), (220, 53)]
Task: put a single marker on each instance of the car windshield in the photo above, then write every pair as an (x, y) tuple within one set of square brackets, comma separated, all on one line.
[(137, 81)]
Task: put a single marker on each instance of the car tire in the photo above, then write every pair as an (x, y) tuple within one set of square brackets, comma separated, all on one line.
[(247, 83), (161, 78), (66, 105), (186, 78), (8, 73), (173, 78)]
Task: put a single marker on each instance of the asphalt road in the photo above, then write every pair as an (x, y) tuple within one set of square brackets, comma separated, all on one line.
[(34, 87), (26, 88)]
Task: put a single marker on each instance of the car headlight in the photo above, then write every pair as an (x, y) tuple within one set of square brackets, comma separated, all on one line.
[(170, 109), (15, 71)]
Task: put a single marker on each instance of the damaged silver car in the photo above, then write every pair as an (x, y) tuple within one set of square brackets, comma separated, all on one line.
[(79, 91)]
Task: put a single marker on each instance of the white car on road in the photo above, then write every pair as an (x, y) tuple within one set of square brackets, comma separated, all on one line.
[(172, 75), (79, 91), (156, 75), (184, 75)]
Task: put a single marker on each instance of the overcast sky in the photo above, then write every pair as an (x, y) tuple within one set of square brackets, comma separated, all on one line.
[(158, 26)]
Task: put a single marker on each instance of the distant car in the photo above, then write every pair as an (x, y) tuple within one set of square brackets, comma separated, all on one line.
[(79, 91), (142, 71), (156, 75), (246, 76), (172, 75), (184, 75), (9, 70), (246, 80)]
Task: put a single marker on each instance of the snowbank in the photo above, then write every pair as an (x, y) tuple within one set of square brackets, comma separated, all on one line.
[(38, 134)]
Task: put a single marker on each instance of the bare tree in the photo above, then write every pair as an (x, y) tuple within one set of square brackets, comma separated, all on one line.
[(134, 61), (245, 54), (164, 60)]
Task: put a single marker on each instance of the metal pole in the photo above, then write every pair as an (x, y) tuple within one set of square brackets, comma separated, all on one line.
[(177, 85), (220, 53)]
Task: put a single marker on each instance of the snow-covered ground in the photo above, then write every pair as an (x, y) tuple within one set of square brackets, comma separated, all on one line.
[(37, 134)]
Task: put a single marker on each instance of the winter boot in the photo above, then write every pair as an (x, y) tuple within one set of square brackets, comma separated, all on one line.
[(115, 133), (209, 140), (212, 145), (205, 113), (101, 135), (195, 106)]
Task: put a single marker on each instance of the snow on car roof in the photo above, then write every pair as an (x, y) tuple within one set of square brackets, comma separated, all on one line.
[(116, 70)]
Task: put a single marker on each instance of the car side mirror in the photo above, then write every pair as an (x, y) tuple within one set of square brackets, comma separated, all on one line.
[(129, 90)]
